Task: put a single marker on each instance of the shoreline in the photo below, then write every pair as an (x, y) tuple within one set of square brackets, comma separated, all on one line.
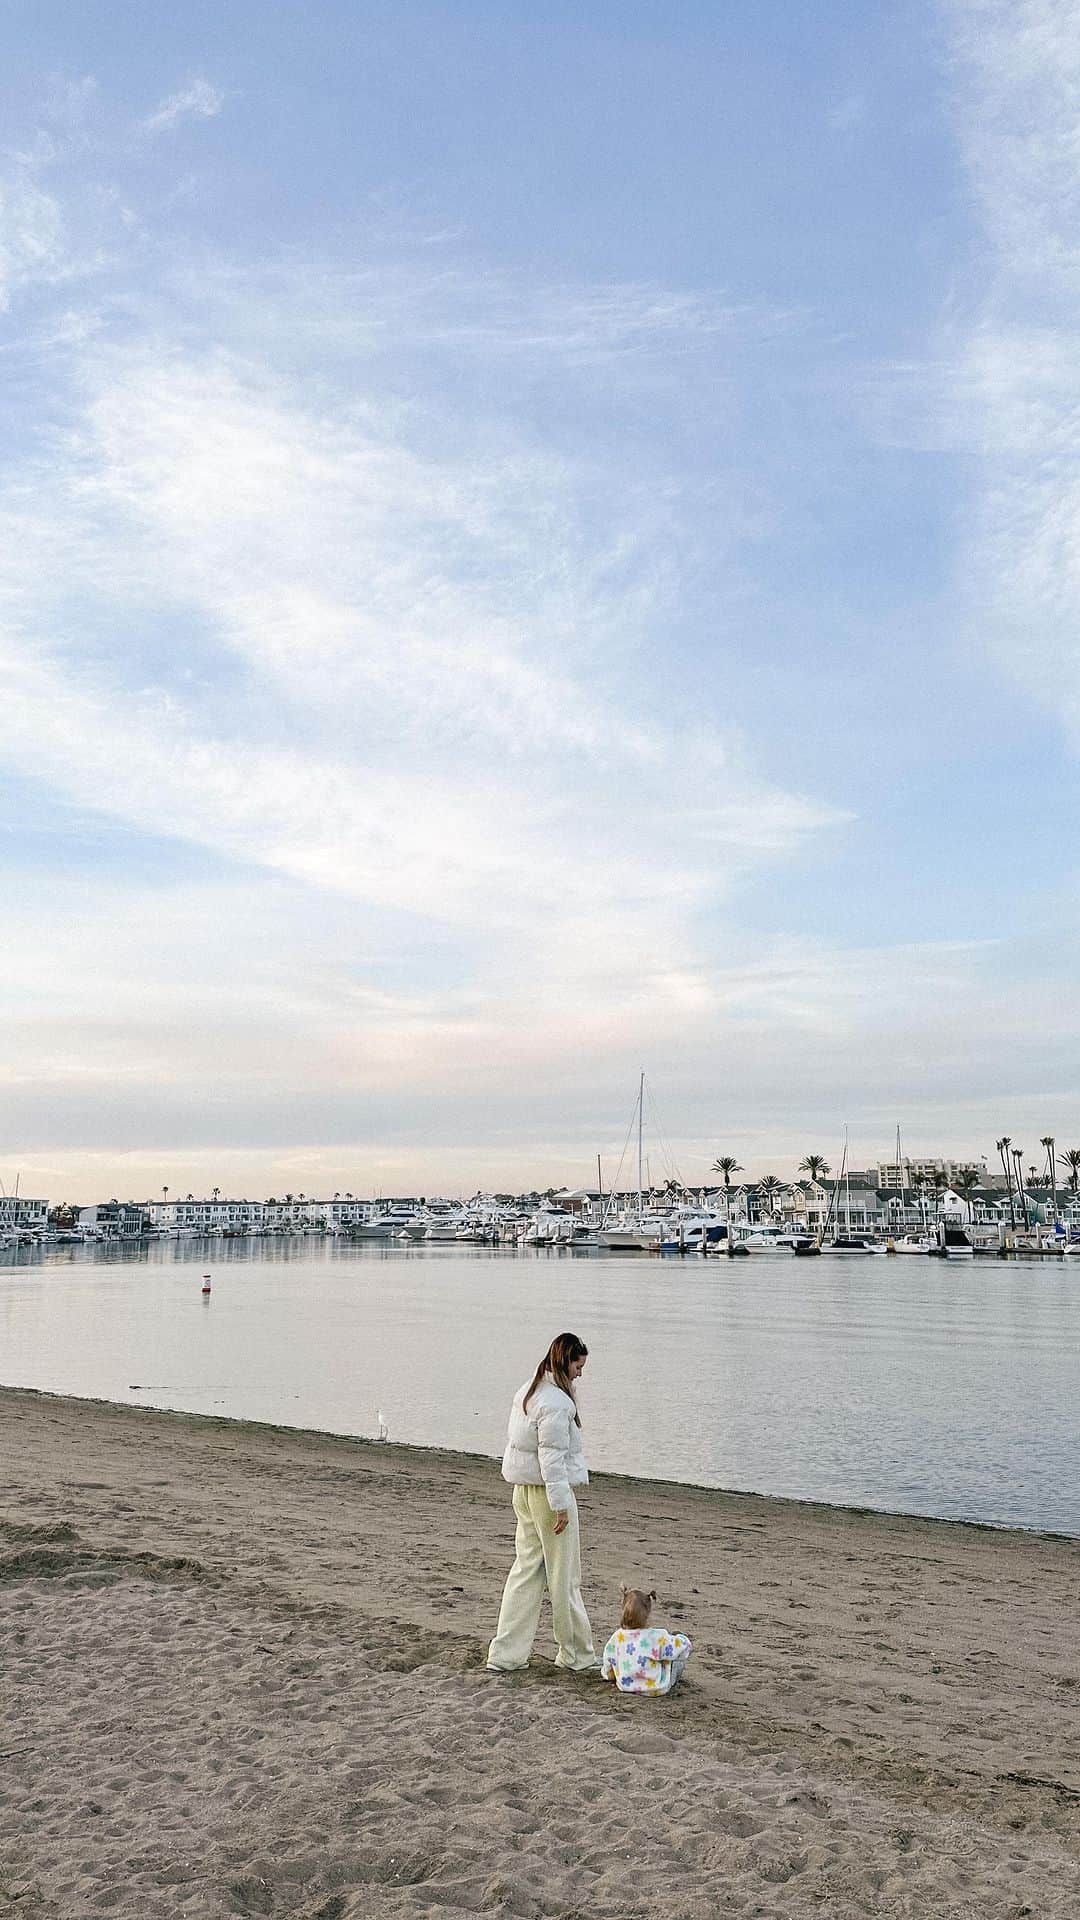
[(597, 1477), (245, 1673)]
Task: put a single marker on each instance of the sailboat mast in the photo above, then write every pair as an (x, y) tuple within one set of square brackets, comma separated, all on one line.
[(640, 1127)]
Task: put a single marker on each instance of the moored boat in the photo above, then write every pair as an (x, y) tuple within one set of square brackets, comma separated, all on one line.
[(952, 1244)]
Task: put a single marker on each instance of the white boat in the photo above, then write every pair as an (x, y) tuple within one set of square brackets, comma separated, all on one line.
[(952, 1244), (764, 1239), (692, 1232), (550, 1227), (389, 1225), (635, 1233), (913, 1243)]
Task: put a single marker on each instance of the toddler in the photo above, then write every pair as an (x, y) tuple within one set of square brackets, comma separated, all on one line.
[(640, 1658)]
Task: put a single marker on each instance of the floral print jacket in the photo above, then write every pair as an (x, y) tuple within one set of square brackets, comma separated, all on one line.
[(645, 1659)]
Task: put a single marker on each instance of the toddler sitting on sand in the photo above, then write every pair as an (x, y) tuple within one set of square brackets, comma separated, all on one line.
[(640, 1658)]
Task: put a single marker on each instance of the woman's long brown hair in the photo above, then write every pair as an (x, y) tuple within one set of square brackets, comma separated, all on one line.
[(558, 1360)]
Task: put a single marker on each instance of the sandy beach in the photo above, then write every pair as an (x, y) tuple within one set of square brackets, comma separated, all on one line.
[(243, 1674)]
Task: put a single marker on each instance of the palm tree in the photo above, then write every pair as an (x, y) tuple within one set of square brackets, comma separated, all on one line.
[(938, 1183), (1018, 1156), (815, 1165), (917, 1182), (768, 1187), (1048, 1145), (215, 1191), (966, 1182), (1003, 1146), (1071, 1159), (727, 1166), (164, 1193)]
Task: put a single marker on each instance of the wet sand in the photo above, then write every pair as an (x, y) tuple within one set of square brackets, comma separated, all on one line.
[(243, 1674)]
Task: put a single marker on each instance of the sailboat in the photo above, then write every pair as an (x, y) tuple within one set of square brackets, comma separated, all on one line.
[(635, 1231), (808, 1249), (848, 1242)]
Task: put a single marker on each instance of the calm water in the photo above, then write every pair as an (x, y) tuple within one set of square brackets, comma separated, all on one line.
[(899, 1383)]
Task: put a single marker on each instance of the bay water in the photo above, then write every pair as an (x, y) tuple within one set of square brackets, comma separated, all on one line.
[(904, 1384)]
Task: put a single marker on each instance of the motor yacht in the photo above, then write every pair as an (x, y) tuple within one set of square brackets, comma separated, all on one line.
[(634, 1234), (764, 1239), (694, 1233), (952, 1244), (388, 1225)]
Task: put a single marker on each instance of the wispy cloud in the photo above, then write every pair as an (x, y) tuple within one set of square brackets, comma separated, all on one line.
[(32, 236), (199, 100), (1016, 397), (403, 659), (69, 100), (345, 591), (1019, 72), (361, 582)]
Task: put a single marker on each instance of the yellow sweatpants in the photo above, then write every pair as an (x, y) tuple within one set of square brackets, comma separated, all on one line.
[(544, 1558)]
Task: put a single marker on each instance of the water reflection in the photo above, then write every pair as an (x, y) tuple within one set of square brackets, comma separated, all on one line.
[(899, 1384)]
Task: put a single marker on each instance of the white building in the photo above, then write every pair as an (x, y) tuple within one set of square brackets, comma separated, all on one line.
[(338, 1212), (293, 1213), (20, 1215), (896, 1175), (113, 1220), (206, 1216)]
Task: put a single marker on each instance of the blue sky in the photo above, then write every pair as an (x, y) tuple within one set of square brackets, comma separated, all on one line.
[(534, 542)]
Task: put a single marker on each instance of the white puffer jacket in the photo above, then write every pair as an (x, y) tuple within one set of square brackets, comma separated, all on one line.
[(543, 1445)]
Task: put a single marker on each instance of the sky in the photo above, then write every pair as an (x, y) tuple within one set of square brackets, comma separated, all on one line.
[(536, 543)]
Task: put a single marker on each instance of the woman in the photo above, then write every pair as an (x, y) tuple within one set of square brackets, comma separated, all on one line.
[(544, 1461)]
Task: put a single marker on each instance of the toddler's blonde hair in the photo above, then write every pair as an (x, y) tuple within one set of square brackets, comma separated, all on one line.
[(636, 1607)]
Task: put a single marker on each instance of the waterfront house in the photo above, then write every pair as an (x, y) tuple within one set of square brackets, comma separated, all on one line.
[(113, 1220), (20, 1215), (805, 1204)]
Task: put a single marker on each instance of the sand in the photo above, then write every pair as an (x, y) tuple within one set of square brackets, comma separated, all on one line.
[(243, 1675)]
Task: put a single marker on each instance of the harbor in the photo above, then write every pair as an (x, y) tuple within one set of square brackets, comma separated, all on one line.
[(931, 1205), (935, 1206)]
